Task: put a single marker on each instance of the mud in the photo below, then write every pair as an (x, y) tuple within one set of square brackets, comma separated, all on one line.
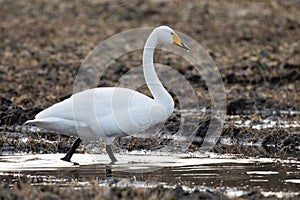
[(254, 44), (52, 192), (277, 140)]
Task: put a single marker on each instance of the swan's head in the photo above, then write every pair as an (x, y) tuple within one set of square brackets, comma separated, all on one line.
[(167, 35)]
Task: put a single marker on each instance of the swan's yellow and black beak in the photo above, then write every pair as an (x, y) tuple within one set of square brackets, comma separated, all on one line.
[(178, 42)]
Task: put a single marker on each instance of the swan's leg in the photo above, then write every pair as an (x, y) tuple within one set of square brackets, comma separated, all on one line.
[(111, 154), (72, 150)]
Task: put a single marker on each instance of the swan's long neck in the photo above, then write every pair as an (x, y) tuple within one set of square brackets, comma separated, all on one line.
[(159, 93)]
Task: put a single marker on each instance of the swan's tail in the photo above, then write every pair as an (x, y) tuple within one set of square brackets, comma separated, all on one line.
[(42, 121), (33, 121)]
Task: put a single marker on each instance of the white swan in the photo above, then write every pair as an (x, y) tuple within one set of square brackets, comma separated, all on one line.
[(108, 112)]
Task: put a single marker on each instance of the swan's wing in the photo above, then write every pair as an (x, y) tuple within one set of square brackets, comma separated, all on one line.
[(79, 105), (110, 111), (100, 102)]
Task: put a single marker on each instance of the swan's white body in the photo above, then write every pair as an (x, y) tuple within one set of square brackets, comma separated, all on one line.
[(116, 112), (108, 112)]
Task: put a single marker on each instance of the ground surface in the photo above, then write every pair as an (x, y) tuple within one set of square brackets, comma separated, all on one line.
[(255, 45)]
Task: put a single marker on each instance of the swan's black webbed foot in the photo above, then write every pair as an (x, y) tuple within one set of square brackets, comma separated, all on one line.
[(72, 150)]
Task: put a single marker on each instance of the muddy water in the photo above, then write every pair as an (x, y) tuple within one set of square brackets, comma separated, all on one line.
[(233, 175)]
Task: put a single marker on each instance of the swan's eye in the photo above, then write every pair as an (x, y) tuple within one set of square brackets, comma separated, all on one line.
[(172, 33)]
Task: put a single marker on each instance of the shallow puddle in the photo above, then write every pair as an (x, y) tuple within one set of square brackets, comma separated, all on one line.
[(230, 174)]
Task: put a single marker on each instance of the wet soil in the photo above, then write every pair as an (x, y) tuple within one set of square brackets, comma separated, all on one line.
[(52, 192), (254, 44)]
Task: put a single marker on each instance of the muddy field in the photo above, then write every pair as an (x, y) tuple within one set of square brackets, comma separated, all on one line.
[(254, 44)]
